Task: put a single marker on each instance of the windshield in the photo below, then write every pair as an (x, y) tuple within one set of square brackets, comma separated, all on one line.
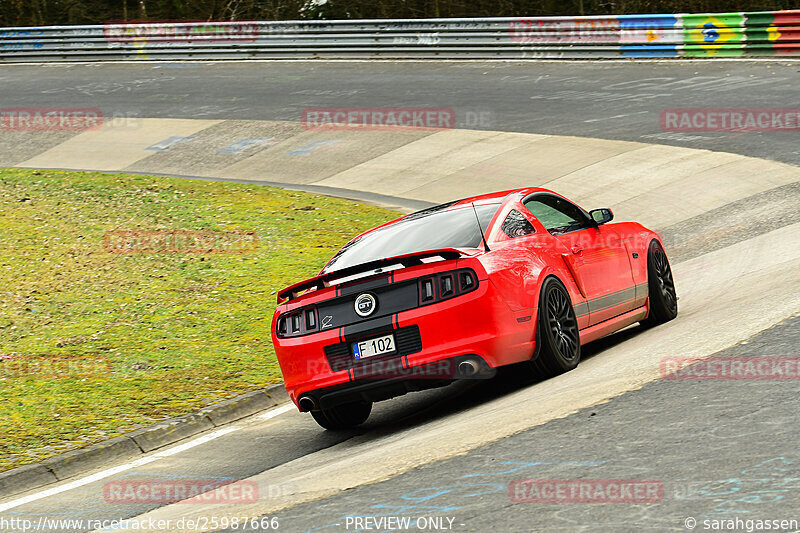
[(425, 230)]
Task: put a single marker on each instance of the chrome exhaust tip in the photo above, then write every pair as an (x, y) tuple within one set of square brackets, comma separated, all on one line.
[(307, 403), (468, 368)]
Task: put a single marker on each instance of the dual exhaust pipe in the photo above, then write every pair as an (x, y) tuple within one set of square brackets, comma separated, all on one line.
[(466, 368), (307, 404)]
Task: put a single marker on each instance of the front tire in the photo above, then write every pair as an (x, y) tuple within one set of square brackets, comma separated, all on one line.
[(557, 336), (343, 416), (663, 301)]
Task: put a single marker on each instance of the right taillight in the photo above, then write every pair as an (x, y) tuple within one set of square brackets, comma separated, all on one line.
[(466, 280)]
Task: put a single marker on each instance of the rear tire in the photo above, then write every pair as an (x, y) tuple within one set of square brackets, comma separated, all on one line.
[(343, 416), (557, 337), (663, 301)]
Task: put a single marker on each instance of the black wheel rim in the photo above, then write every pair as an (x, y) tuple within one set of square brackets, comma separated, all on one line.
[(664, 276), (562, 323)]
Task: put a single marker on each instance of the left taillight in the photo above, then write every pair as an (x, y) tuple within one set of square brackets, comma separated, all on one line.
[(297, 322)]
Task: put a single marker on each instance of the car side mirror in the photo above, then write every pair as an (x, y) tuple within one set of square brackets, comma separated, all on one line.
[(601, 216)]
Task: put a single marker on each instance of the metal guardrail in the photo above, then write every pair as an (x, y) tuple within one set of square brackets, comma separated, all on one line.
[(768, 33)]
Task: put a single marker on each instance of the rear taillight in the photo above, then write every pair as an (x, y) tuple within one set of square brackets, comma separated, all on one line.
[(446, 285), (431, 289), (427, 290), (296, 323), (467, 280), (311, 319)]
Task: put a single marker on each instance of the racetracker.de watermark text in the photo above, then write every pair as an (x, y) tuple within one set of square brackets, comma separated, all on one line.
[(377, 118), (50, 118), (182, 31), (730, 120), (731, 368), (180, 241), (53, 367), (184, 491), (585, 491)]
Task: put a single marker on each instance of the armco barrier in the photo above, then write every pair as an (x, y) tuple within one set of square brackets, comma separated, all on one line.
[(773, 33)]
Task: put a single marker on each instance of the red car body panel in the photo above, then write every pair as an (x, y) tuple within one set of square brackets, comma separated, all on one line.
[(603, 268)]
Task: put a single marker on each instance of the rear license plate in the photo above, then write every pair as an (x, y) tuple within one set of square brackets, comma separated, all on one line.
[(373, 347)]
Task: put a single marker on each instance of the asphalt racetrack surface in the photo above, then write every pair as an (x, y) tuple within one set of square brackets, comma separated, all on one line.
[(614, 100), (714, 449)]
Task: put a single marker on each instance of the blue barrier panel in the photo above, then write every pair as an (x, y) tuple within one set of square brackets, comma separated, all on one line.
[(650, 35)]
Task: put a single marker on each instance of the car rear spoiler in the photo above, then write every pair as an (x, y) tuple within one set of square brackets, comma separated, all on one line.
[(406, 260)]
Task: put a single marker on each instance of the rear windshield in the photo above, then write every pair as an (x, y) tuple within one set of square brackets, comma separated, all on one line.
[(425, 230)]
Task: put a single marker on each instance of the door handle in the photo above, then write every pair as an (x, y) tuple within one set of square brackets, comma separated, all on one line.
[(576, 249)]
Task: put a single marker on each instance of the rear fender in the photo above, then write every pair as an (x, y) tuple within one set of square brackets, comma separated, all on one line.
[(565, 277), (518, 271)]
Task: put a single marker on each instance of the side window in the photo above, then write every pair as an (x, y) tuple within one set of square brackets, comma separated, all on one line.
[(516, 225), (557, 215)]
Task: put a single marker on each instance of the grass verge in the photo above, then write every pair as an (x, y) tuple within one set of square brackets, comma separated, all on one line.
[(95, 343)]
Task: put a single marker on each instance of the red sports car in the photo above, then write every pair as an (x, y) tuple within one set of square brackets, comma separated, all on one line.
[(457, 290)]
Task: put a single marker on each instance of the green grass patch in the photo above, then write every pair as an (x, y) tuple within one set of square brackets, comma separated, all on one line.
[(94, 344)]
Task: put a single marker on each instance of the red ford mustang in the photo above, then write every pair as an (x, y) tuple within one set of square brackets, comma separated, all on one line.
[(457, 290)]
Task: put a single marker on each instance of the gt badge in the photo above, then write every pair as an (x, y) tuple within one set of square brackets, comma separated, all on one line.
[(365, 304)]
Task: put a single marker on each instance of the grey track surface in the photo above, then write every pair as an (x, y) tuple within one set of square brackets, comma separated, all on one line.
[(694, 436), (614, 100), (744, 219), (718, 447), (233, 457)]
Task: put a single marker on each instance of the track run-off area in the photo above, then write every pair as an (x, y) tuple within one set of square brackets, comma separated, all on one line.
[(725, 202)]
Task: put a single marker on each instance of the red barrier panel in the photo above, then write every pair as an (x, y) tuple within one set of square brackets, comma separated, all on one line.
[(787, 18), (773, 33)]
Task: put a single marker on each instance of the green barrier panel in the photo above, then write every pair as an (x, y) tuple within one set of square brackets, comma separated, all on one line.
[(779, 28), (759, 27), (713, 35)]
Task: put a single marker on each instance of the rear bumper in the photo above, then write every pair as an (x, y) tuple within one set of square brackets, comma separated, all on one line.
[(417, 378), (478, 325)]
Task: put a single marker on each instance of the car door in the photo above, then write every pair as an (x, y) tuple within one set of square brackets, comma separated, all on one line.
[(596, 255)]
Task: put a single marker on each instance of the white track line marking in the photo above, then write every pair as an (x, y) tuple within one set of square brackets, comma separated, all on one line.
[(275, 412), (138, 462), (616, 116)]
